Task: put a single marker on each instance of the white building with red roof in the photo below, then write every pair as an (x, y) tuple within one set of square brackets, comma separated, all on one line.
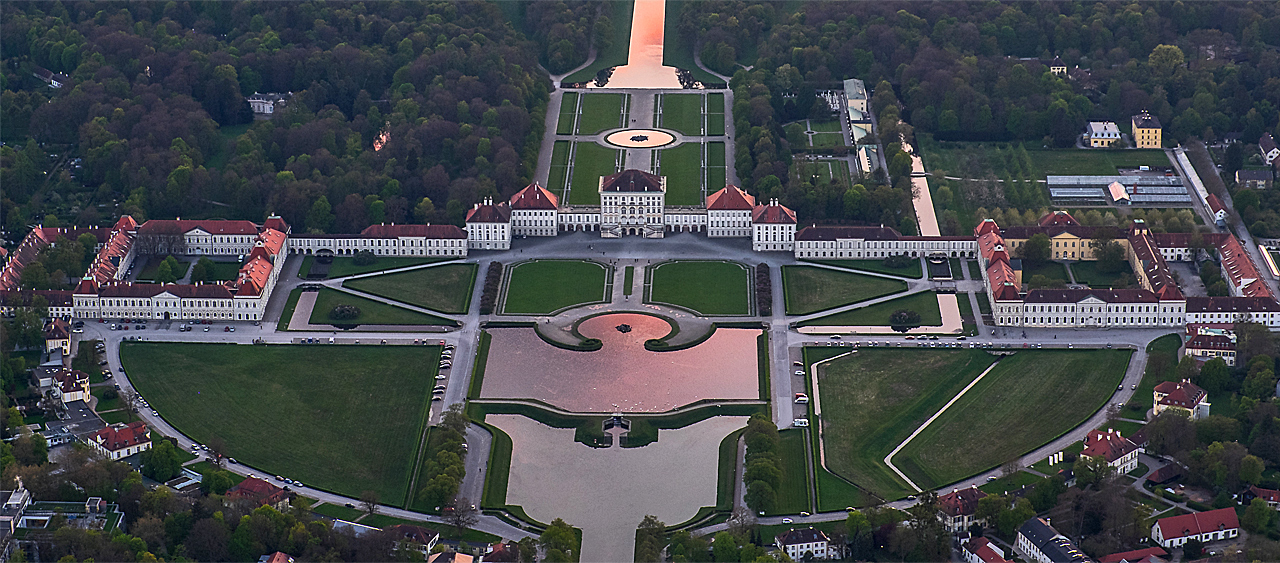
[(489, 226), (1211, 526), (957, 508), (981, 550), (1269, 496), (534, 212), (1148, 555), (1216, 208), (1183, 396), (773, 228), (121, 440), (1120, 453), (70, 386), (729, 212), (807, 542), (1205, 347), (632, 203)]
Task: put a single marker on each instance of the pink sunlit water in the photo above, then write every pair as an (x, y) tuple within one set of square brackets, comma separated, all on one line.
[(644, 56), (622, 375)]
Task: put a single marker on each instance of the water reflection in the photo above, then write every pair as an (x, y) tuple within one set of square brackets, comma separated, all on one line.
[(622, 375), (644, 57)]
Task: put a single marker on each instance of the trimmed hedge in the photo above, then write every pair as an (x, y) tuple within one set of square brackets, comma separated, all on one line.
[(492, 282), (764, 291)]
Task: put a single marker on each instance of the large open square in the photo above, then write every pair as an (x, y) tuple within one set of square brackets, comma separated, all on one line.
[(340, 418), (622, 375)]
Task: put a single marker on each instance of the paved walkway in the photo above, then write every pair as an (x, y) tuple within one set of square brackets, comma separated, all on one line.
[(921, 199)]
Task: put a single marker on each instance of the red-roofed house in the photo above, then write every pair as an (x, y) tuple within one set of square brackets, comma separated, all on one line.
[(1183, 396), (798, 544), (121, 441), (416, 538), (259, 493), (489, 226), (504, 551), (1119, 452), (1211, 526), (534, 212), (981, 550), (1148, 555), (1216, 208), (773, 227), (1205, 347), (70, 386), (957, 509), (729, 212), (57, 336), (1270, 496), (277, 557)]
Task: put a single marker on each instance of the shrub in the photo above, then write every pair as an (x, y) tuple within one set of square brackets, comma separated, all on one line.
[(364, 258), (110, 394), (903, 320), (764, 290), (492, 281), (344, 313), (898, 261)]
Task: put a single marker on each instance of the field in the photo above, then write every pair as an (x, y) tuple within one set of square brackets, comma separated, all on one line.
[(970, 160), (706, 287), (809, 289), (293, 410), (542, 287), (1026, 401), (590, 162), (1088, 273), (148, 273), (344, 266), (371, 312), (224, 271), (601, 112), (868, 406), (911, 271), (793, 493), (821, 171), (442, 288), (617, 54), (925, 303)]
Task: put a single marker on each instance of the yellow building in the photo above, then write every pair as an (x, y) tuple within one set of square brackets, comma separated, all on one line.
[(1146, 131)]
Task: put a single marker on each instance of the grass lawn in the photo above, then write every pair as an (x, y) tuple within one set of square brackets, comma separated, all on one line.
[(683, 168), (442, 288), (793, 493), (809, 289), (823, 140), (105, 405), (975, 270), (558, 178), (1140, 403), (835, 493), (600, 112), (984, 304), (591, 161), (293, 410), (339, 512), (289, 307), (683, 112), (1027, 400), (970, 160), (541, 287), (224, 271), (116, 417), (1088, 273), (1051, 270), (153, 263), (568, 111), (878, 266), (869, 405), (706, 287), (925, 303), (617, 54), (371, 312), (628, 279), (966, 308), (343, 266), (819, 172), (825, 126), (1006, 485)]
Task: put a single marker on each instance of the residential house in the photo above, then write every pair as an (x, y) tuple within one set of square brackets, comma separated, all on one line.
[(70, 386), (1218, 210), (1165, 475), (1102, 134), (981, 550), (957, 508), (121, 440), (1146, 131), (450, 557), (258, 492), (416, 538), (1148, 555), (57, 336), (277, 557), (268, 103), (1253, 179), (1205, 347), (1270, 151), (53, 79), (1270, 496), (807, 542), (1183, 396), (504, 551), (1038, 541), (1057, 67), (1214, 525), (1120, 453)]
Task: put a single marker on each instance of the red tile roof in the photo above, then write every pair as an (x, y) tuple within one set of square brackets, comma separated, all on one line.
[(1232, 304), (211, 226), (1109, 445), (631, 180), (57, 329), (424, 231), (144, 290), (27, 252), (986, 226), (804, 535), (1198, 523), (1078, 295), (534, 196), (983, 549), (487, 212), (1268, 495), (1152, 263), (731, 198), (24, 297), (834, 233), (1241, 270), (1215, 204), (70, 381), (1183, 394), (272, 240), (253, 277), (774, 213), (116, 439), (960, 502), (1058, 219), (257, 490), (275, 222), (1134, 556), (1210, 342)]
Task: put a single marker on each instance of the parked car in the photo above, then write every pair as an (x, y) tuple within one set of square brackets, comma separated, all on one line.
[(800, 422), (801, 398)]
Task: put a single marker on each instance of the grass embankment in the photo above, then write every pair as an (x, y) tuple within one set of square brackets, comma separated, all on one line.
[(925, 303), (1166, 346), (371, 312), (340, 418), (442, 288), (912, 270), (706, 287), (809, 289), (541, 287), (343, 266)]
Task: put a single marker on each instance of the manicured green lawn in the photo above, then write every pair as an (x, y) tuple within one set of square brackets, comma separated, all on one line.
[(1027, 400), (984, 304), (600, 112), (590, 163), (339, 512), (568, 111), (105, 405), (825, 126), (823, 140), (966, 308), (821, 172), (1088, 273), (707, 287), (542, 287), (148, 273), (835, 493), (1051, 270), (289, 307), (341, 418), (683, 168), (911, 271), (116, 417), (809, 289), (442, 288), (344, 266), (793, 492), (371, 312), (628, 279), (224, 271), (925, 303), (975, 270), (558, 178), (1166, 346), (1006, 485), (682, 112), (875, 398)]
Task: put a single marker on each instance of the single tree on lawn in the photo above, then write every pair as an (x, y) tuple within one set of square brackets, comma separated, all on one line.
[(462, 514), (369, 502), (903, 320), (1037, 249)]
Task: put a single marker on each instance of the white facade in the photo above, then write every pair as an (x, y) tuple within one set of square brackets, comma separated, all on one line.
[(856, 248), (1103, 133), (633, 213), (489, 236), (534, 222), (398, 246), (201, 242), (773, 237), (1090, 312), (729, 223)]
